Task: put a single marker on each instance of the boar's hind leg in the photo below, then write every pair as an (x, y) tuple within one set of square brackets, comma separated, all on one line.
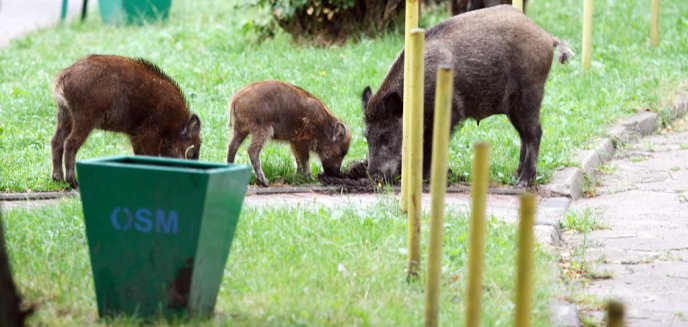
[(77, 137), (64, 127), (234, 144), (257, 142), (301, 153), (527, 123), (521, 134)]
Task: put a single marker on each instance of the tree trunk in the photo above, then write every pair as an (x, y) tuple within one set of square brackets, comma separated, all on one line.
[(11, 311)]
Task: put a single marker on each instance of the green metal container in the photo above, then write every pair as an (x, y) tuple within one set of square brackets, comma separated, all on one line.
[(159, 232), (134, 11)]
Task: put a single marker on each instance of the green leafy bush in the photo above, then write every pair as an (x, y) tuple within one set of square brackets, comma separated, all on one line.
[(325, 22)]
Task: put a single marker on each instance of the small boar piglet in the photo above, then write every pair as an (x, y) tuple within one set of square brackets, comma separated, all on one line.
[(501, 60), (284, 112), (118, 94)]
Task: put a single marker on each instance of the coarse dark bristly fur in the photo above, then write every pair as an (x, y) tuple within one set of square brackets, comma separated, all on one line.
[(284, 112), (501, 60), (125, 95), (157, 70)]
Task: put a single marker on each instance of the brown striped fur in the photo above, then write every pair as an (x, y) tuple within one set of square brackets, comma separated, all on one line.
[(284, 112), (119, 94)]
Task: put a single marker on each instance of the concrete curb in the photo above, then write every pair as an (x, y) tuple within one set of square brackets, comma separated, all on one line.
[(569, 182)]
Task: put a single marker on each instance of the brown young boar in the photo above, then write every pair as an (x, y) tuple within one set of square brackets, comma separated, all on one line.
[(501, 60), (130, 96), (284, 112)]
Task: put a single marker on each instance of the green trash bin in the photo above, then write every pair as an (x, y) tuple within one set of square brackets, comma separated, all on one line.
[(159, 232), (134, 11)]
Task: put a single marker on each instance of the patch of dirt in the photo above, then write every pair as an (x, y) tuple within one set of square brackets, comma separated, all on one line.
[(354, 180)]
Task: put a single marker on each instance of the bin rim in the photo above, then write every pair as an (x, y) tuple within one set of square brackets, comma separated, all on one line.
[(163, 164)]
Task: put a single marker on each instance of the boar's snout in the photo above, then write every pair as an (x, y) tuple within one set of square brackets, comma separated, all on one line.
[(383, 121), (384, 149), (188, 143), (386, 169), (333, 167), (338, 146)]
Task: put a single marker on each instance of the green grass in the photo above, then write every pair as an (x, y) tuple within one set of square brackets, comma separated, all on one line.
[(286, 267), (205, 48), (582, 222)]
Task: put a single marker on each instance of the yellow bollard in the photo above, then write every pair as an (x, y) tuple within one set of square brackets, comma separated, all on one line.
[(518, 4), (438, 187), (587, 34), (654, 23), (415, 179), (411, 23), (476, 247), (615, 314), (524, 265)]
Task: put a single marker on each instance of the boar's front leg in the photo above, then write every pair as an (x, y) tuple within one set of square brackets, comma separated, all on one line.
[(257, 142), (64, 127), (301, 153), (77, 137)]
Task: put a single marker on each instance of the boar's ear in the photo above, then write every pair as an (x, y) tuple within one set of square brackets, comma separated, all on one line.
[(338, 132), (393, 104), (193, 126), (367, 93)]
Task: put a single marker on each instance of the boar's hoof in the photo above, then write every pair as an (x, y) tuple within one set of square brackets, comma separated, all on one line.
[(58, 177), (521, 184), (262, 182), (72, 182)]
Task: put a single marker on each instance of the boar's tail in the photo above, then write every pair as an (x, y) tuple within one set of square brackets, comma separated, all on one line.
[(563, 49), (58, 91), (231, 113)]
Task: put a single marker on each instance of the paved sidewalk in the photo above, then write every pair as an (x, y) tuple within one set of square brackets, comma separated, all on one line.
[(19, 17), (643, 199)]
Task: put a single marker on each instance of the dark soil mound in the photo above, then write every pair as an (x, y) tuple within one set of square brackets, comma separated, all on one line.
[(354, 180)]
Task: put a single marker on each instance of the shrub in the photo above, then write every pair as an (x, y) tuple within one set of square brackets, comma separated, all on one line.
[(325, 22)]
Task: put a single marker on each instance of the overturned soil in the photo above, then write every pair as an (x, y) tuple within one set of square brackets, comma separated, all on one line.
[(354, 180)]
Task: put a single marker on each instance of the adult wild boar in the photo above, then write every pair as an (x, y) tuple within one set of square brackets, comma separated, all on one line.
[(130, 96), (501, 60), (284, 112)]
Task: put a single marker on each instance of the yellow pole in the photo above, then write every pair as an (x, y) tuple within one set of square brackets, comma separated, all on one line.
[(476, 247), (438, 187), (615, 314), (654, 23), (518, 4), (411, 23), (587, 34), (524, 280), (415, 161)]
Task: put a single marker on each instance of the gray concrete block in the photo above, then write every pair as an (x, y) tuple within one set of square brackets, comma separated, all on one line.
[(567, 182), (589, 160), (551, 210), (605, 150), (681, 105), (619, 134), (564, 314), (547, 234), (642, 124)]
